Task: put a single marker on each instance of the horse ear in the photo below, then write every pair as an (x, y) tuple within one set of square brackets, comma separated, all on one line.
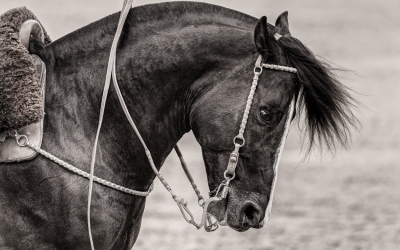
[(282, 24), (261, 36)]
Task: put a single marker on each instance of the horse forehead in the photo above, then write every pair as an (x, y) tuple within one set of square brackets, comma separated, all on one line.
[(276, 87)]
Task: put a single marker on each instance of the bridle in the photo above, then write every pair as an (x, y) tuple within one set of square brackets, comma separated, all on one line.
[(229, 174)]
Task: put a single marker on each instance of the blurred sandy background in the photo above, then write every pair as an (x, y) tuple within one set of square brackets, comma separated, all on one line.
[(350, 201)]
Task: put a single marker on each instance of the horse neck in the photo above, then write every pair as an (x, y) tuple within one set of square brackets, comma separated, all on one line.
[(155, 70)]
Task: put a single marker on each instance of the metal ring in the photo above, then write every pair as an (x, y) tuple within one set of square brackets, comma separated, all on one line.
[(201, 202), (227, 178), (255, 70), (241, 138), (18, 138)]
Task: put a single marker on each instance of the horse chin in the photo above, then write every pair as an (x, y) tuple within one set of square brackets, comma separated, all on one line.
[(243, 228), (218, 209), (261, 225), (220, 213)]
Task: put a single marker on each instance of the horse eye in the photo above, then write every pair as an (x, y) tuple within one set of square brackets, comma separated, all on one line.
[(265, 115)]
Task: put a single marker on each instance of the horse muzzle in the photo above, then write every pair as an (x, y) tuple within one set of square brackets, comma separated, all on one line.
[(241, 210)]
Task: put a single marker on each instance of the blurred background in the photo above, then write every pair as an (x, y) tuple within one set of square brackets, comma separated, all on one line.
[(347, 201)]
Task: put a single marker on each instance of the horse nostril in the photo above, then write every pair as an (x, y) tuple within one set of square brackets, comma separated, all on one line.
[(253, 214), (250, 211)]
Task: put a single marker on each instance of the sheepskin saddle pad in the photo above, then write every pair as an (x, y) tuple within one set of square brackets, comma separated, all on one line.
[(22, 85)]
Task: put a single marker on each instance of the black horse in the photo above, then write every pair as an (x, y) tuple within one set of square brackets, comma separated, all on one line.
[(181, 67)]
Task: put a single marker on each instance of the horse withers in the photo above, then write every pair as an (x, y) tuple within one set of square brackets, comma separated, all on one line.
[(180, 67)]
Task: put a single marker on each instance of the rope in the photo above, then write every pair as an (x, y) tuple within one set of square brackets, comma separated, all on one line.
[(22, 140), (125, 10)]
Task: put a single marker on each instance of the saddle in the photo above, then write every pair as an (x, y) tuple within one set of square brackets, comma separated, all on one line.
[(22, 84), (9, 149)]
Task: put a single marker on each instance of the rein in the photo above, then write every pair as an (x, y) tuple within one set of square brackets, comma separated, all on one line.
[(222, 190)]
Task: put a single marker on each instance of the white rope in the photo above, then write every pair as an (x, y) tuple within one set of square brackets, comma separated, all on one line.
[(125, 10), (22, 140), (250, 99), (279, 67)]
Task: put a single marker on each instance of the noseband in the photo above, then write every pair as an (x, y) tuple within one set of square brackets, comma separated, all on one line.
[(229, 174)]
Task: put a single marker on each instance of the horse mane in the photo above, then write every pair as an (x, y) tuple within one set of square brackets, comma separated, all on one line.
[(326, 102)]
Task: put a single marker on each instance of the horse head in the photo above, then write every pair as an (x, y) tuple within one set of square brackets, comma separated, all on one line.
[(216, 118)]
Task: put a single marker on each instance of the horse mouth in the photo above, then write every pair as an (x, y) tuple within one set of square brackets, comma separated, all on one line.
[(224, 211), (244, 226)]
